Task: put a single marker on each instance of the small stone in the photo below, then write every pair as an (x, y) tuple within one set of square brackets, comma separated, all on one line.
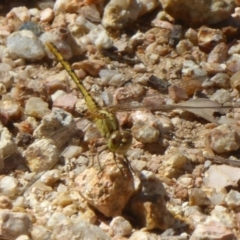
[(36, 107), (221, 80), (233, 64), (14, 224), (41, 155), (100, 38), (233, 199), (19, 12), (213, 68), (25, 44), (11, 109), (224, 139), (51, 176), (39, 232), (5, 202), (235, 80), (46, 15), (191, 35), (120, 227), (111, 78), (212, 230), (184, 46), (198, 197), (221, 96), (118, 14), (66, 102), (72, 151), (117, 179), (31, 26), (188, 12), (23, 237), (208, 38), (139, 68), (177, 93), (219, 53)]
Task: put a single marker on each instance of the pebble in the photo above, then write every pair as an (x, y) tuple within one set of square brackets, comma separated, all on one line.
[(118, 14), (198, 197), (31, 26), (183, 46), (221, 176), (224, 139), (212, 230), (8, 186), (208, 38), (14, 224), (11, 109), (233, 199), (235, 80), (36, 107), (233, 64), (5, 202), (116, 178), (19, 12), (100, 38), (110, 78), (221, 96), (192, 14), (47, 15), (221, 80), (41, 155), (40, 232), (120, 227), (66, 102), (219, 54), (24, 44), (51, 176)]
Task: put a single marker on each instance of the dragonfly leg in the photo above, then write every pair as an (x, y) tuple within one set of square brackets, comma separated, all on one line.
[(129, 164)]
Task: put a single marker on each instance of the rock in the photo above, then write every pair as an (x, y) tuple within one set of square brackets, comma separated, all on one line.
[(120, 227), (233, 64), (224, 139), (100, 38), (19, 12), (66, 102), (24, 44), (78, 230), (149, 205), (198, 197), (219, 53), (116, 178), (110, 78), (118, 14), (14, 224), (36, 107), (221, 176), (177, 93), (233, 199), (7, 145), (184, 46), (222, 96), (9, 186), (192, 13), (5, 202), (46, 15), (235, 80), (39, 232), (11, 109), (51, 177), (41, 155), (31, 26), (208, 38), (212, 230), (191, 70), (137, 235), (220, 80), (213, 68)]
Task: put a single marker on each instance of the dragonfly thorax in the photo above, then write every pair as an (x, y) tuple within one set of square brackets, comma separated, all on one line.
[(119, 142)]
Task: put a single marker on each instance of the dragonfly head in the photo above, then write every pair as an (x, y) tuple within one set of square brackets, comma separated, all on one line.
[(119, 142)]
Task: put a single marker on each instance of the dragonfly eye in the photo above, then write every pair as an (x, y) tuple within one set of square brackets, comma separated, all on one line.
[(120, 141)]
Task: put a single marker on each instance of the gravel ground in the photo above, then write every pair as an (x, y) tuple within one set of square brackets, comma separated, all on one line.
[(169, 70)]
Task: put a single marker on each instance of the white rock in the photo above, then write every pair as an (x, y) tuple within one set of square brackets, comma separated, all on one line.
[(99, 37), (117, 14), (8, 186), (221, 96), (46, 15), (14, 224), (36, 107), (19, 12), (24, 44), (120, 227), (110, 78)]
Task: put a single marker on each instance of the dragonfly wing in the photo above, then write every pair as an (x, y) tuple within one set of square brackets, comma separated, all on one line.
[(205, 108)]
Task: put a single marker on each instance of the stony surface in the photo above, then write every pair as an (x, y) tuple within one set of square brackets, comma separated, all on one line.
[(175, 181)]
